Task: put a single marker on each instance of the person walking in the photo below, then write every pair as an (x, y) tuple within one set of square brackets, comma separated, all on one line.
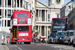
[(40, 39), (8, 40), (2, 39)]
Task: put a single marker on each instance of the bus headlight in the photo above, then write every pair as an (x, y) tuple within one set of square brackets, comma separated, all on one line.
[(60, 38)]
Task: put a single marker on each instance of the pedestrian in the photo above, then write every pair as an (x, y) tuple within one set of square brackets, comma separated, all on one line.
[(8, 40), (40, 40), (2, 39)]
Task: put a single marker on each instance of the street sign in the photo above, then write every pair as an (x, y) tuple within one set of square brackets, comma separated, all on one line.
[(0, 22), (73, 0)]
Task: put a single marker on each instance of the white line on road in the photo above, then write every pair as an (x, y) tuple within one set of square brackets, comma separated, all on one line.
[(60, 49), (18, 47), (15, 46)]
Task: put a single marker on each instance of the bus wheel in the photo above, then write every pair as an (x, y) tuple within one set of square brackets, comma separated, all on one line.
[(28, 42), (11, 42)]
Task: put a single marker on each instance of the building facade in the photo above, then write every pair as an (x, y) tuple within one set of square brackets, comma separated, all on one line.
[(7, 7), (71, 20), (44, 15), (65, 10)]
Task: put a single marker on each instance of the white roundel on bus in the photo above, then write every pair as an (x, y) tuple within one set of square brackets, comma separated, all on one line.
[(14, 21), (29, 20)]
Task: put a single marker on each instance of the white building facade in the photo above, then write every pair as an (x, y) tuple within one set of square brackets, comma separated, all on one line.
[(44, 15), (7, 7), (64, 11)]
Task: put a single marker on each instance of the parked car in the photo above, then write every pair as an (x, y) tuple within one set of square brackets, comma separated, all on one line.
[(52, 38), (73, 42), (69, 37)]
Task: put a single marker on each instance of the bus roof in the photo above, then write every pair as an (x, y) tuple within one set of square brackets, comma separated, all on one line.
[(21, 12)]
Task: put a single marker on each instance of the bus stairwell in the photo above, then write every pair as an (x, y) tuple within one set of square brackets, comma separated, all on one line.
[(15, 34)]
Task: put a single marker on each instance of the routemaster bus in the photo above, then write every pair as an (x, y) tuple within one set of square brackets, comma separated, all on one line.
[(58, 24), (21, 26)]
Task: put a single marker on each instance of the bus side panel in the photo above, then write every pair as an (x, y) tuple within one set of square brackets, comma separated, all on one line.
[(30, 32)]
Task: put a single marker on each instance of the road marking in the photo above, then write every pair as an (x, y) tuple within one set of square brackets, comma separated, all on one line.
[(7, 47), (60, 49), (18, 47), (15, 46)]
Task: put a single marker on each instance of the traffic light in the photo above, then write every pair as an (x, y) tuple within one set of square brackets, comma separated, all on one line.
[(73, 0)]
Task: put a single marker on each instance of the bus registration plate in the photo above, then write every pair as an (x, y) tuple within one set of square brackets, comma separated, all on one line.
[(23, 38)]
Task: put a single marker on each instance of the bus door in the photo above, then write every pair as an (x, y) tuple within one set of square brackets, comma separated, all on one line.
[(15, 33)]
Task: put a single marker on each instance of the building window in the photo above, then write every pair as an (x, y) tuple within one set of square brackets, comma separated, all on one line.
[(14, 5), (9, 13), (5, 13), (5, 3), (8, 23), (5, 23), (49, 2), (27, 5), (0, 3), (2, 23), (9, 3), (21, 3), (48, 32), (17, 3), (48, 17), (57, 15)]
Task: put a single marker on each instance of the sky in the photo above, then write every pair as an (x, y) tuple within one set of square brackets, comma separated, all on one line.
[(44, 1)]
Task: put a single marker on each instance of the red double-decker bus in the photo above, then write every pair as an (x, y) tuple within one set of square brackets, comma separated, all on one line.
[(58, 24), (21, 26)]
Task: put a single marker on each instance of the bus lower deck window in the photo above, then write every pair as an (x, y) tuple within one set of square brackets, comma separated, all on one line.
[(23, 28)]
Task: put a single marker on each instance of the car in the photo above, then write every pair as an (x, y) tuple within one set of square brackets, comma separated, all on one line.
[(60, 36), (73, 41), (69, 37), (52, 38)]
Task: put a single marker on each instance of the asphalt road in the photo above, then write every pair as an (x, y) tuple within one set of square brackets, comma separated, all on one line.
[(40, 47)]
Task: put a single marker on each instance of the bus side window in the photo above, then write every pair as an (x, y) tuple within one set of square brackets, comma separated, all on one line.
[(67, 33)]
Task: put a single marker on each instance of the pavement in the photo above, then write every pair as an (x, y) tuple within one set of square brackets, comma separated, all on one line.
[(3, 47)]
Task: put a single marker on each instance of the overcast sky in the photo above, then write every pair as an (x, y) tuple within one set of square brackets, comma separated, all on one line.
[(44, 1)]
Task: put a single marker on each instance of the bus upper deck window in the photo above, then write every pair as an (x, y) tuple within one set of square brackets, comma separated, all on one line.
[(22, 15)]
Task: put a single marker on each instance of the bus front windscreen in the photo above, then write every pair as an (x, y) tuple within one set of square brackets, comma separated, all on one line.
[(60, 34), (59, 24), (71, 33), (23, 28), (52, 35), (22, 15)]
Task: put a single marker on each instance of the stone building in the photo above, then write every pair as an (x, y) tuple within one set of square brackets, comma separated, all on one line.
[(45, 13)]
